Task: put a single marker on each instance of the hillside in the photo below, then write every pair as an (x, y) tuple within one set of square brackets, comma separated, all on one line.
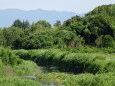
[(106, 10)]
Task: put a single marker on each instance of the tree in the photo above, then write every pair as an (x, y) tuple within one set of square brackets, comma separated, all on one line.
[(57, 24), (42, 24), (107, 41), (25, 24), (17, 23), (10, 34), (77, 27), (72, 20)]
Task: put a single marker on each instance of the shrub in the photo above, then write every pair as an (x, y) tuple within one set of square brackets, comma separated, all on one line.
[(107, 41), (8, 57), (26, 68)]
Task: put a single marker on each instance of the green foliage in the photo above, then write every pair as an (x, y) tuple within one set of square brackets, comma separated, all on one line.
[(70, 62), (106, 79), (8, 57), (105, 10), (26, 68), (1, 68), (74, 32), (10, 34), (17, 82), (97, 26), (48, 39), (72, 20), (78, 63), (57, 24), (40, 25), (77, 27), (18, 23), (107, 41)]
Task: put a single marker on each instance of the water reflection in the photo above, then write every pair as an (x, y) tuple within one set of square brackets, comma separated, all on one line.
[(44, 70), (50, 69), (48, 83)]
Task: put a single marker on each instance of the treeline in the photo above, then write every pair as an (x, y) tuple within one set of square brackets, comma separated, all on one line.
[(94, 29)]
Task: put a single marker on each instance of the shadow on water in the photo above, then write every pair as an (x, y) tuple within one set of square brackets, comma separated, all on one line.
[(49, 69)]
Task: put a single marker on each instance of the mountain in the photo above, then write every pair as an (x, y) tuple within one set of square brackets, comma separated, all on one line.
[(8, 16)]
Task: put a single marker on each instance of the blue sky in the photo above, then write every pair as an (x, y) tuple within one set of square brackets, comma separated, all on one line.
[(78, 6)]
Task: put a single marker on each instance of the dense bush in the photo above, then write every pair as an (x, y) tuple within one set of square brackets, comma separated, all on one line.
[(48, 39), (79, 63), (69, 62), (26, 68), (107, 41), (8, 57)]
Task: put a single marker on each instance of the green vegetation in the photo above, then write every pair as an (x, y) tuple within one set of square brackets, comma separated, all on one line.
[(94, 29), (82, 46), (106, 79), (105, 10), (1, 68), (12, 66), (17, 82), (26, 68), (70, 62)]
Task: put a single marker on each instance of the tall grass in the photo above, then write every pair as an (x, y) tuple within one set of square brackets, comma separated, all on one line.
[(26, 68), (69, 62), (1, 68), (17, 82), (106, 79), (14, 64)]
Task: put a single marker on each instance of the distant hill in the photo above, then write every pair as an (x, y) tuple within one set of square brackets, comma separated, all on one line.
[(105, 10), (8, 16)]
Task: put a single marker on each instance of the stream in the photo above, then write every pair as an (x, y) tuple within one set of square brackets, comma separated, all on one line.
[(43, 71)]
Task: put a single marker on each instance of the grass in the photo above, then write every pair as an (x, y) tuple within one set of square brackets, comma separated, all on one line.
[(17, 82), (85, 64), (26, 68), (71, 61), (106, 79), (1, 68)]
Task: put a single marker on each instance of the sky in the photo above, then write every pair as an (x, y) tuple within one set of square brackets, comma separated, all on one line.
[(77, 6)]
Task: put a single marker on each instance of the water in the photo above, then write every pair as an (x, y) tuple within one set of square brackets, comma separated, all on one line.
[(51, 83), (48, 70), (42, 82), (43, 71)]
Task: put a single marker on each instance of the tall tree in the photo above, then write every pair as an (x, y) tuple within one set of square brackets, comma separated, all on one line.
[(17, 23)]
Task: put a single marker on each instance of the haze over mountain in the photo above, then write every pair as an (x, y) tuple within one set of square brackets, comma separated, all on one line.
[(8, 16)]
